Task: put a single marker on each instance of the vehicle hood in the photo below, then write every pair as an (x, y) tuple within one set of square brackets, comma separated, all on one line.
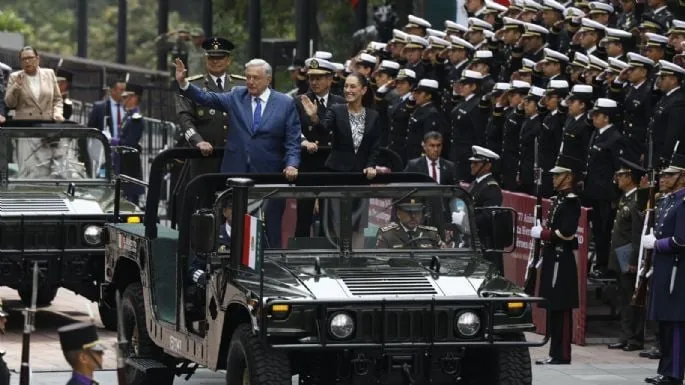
[(374, 277), (28, 200)]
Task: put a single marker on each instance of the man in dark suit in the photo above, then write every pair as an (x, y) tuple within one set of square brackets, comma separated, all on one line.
[(320, 76), (265, 135), (440, 169), (129, 136), (106, 116)]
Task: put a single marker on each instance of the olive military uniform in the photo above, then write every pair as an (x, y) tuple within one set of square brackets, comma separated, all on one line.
[(395, 236)]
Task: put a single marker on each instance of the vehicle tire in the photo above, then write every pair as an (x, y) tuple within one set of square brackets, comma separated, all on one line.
[(250, 362), (500, 365), (46, 294), (135, 332), (108, 316)]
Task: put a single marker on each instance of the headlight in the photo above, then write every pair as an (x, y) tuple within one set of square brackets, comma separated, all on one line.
[(92, 235), (468, 324), (341, 326)]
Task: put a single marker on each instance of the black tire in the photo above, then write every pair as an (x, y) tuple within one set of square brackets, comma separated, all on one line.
[(44, 298), (135, 331), (500, 366), (247, 356), (108, 316)]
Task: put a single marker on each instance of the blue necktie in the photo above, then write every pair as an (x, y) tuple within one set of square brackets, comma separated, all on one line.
[(257, 114)]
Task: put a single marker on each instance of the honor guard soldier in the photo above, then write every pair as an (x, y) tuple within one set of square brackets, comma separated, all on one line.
[(407, 231), (485, 192), (425, 118), (617, 43), (64, 79), (552, 131), (467, 122), (320, 77), (511, 132), (416, 26), (553, 66), (130, 134), (665, 124), (83, 351), (577, 129), (4, 370), (625, 241), (637, 107), (413, 52), (559, 275), (203, 127), (666, 306), (398, 114), (530, 130)]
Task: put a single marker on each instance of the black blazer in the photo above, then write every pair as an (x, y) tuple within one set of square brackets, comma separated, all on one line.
[(448, 175), (100, 115), (343, 157)]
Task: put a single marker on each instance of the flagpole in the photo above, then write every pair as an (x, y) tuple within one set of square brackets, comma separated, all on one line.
[(262, 303)]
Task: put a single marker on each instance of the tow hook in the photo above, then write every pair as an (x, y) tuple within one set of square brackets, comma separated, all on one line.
[(408, 379), (361, 365), (450, 364)]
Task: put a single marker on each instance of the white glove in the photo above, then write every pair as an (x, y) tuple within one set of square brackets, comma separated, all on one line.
[(649, 240), (383, 89), (458, 217), (107, 134), (536, 230)]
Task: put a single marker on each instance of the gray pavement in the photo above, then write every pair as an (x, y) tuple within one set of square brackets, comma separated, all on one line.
[(592, 364)]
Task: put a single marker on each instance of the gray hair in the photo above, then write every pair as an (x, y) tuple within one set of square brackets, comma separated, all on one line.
[(260, 63)]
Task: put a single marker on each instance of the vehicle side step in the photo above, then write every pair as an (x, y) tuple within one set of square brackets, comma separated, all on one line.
[(154, 371)]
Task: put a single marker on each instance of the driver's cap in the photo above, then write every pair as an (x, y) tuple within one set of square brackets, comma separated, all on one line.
[(410, 204)]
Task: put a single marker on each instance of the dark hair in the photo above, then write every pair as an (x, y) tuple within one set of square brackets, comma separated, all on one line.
[(362, 79), (434, 135), (28, 48), (367, 99)]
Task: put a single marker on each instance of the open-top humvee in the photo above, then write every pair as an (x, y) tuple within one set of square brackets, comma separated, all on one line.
[(53, 208), (326, 310)]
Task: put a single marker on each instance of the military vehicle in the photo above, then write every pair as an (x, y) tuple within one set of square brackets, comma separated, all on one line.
[(53, 207), (332, 308)]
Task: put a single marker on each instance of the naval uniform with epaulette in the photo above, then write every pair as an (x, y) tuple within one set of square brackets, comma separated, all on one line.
[(486, 192), (559, 272), (201, 123), (395, 236)]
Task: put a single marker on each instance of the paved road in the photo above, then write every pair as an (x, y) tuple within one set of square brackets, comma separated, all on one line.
[(592, 365)]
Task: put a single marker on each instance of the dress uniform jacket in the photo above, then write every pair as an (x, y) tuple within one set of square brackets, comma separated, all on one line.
[(549, 144), (399, 126), (637, 108), (466, 126), (666, 124), (602, 163), (485, 193), (530, 129), (627, 21), (396, 236), (576, 136), (316, 133), (561, 224), (132, 127), (669, 231), (627, 229), (423, 120), (494, 128), (201, 123), (510, 148)]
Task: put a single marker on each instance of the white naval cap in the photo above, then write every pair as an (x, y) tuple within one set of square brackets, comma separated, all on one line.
[(616, 65), (482, 154), (553, 5), (494, 7), (531, 5), (325, 55), (376, 46), (668, 68), (417, 22), (366, 58), (600, 7), (527, 65), (615, 34), (605, 106), (319, 66), (339, 67), (581, 92), (573, 14), (429, 85), (406, 73), (597, 63), (436, 33), (520, 86), (489, 34), (580, 60), (557, 87), (477, 24), (456, 27), (501, 86), (590, 25), (655, 40), (637, 60), (414, 41), (482, 56), (436, 42), (469, 75), (390, 65), (556, 56), (534, 30), (399, 36), (510, 22), (458, 42), (677, 26), (535, 93)]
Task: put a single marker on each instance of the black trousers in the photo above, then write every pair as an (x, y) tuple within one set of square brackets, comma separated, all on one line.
[(601, 219), (561, 333), (672, 336), (632, 317)]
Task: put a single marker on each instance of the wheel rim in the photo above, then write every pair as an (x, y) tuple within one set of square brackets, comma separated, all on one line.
[(246, 377)]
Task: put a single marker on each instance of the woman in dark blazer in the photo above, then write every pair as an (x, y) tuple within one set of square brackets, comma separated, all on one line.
[(355, 146)]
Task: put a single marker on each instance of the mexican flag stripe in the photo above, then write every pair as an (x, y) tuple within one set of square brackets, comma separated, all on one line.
[(252, 242)]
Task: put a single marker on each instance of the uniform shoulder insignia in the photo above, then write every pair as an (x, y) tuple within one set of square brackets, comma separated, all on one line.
[(431, 228), (195, 77), (493, 183), (571, 196), (238, 77), (390, 227), (136, 115)]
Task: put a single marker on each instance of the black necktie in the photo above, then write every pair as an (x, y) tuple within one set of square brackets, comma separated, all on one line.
[(218, 84), (322, 103)]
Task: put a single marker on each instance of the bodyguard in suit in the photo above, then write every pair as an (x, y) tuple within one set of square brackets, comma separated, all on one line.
[(559, 275), (440, 169), (599, 191), (466, 123), (320, 77), (131, 133), (203, 127), (106, 115), (623, 258), (83, 351), (667, 239), (265, 135)]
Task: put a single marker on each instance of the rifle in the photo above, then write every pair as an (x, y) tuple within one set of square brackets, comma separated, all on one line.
[(121, 342), (29, 327), (531, 276)]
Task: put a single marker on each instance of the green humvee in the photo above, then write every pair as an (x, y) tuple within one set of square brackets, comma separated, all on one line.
[(332, 308), (53, 209)]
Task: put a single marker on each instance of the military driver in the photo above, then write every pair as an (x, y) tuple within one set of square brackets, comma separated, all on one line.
[(409, 232)]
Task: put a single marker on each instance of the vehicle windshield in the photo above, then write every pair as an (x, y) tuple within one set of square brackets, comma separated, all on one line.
[(371, 218), (49, 154)]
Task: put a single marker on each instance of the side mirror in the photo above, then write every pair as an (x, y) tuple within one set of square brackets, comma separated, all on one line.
[(498, 231), (203, 232)]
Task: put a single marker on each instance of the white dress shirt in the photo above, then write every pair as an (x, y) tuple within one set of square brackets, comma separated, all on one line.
[(34, 84), (325, 98), (264, 98), (223, 80)]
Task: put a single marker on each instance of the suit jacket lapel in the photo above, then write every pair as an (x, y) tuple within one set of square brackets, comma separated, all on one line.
[(247, 108), (27, 88), (268, 109)]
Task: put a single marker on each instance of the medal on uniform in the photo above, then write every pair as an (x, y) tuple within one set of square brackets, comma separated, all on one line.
[(212, 112)]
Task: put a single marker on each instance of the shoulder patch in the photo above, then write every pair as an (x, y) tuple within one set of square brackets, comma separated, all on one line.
[(391, 226), (493, 183), (238, 77), (136, 115), (424, 227), (195, 77)]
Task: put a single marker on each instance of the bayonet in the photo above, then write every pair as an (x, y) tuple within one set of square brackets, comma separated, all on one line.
[(534, 256), (29, 327)]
